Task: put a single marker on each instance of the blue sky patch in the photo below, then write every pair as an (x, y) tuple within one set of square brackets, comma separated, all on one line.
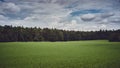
[(2, 0), (79, 12)]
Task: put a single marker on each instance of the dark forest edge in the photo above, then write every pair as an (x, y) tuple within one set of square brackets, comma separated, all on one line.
[(22, 34)]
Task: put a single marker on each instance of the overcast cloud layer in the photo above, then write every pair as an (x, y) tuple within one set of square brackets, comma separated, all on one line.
[(61, 14)]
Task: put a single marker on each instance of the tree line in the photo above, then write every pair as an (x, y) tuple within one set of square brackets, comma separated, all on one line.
[(12, 34)]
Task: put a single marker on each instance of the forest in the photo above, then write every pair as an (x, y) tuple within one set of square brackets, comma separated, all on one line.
[(24, 34)]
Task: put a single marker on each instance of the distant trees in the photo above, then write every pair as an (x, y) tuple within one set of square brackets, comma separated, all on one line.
[(10, 34), (114, 37)]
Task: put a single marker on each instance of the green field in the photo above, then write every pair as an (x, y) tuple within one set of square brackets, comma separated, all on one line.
[(74, 54)]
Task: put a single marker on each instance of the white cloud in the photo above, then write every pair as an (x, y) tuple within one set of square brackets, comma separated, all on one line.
[(9, 8), (106, 15), (114, 20), (56, 14), (3, 17), (4, 20), (103, 26), (88, 17)]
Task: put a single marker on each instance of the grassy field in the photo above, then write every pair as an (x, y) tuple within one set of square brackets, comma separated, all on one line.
[(74, 54)]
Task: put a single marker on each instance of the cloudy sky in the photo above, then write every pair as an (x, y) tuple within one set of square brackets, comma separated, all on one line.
[(61, 14)]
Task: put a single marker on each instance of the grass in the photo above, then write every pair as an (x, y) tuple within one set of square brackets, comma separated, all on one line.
[(74, 54)]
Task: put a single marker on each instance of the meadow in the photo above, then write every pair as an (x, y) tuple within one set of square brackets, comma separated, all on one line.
[(71, 54)]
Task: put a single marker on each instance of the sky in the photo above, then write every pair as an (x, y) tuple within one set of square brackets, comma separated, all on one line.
[(79, 15)]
